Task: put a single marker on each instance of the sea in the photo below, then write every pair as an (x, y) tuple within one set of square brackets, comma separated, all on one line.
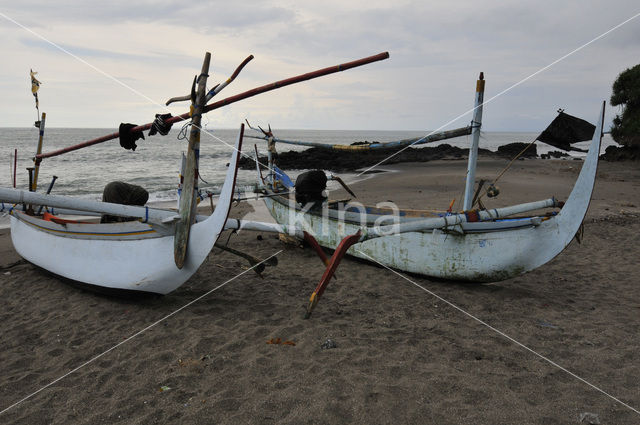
[(155, 163)]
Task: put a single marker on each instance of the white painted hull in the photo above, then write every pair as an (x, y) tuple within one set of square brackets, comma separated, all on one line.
[(480, 256), (124, 256), (107, 261)]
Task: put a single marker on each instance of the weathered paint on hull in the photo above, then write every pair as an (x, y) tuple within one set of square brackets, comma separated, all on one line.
[(480, 257)]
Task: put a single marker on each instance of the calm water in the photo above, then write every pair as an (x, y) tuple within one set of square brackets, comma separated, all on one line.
[(155, 163)]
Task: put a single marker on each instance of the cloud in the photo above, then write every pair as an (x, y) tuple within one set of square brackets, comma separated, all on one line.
[(204, 15), (437, 50)]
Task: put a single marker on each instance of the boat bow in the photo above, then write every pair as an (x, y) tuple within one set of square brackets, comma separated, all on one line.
[(576, 206)]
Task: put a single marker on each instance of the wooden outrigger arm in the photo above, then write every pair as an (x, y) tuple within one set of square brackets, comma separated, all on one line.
[(154, 215), (257, 265), (398, 144), (228, 101)]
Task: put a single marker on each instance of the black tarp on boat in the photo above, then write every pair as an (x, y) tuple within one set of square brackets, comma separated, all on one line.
[(565, 130), (124, 194)]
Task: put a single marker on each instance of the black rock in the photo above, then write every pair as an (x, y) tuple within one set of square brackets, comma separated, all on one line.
[(623, 153), (328, 344), (510, 150), (338, 161)]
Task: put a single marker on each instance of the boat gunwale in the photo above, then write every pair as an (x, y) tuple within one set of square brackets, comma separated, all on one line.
[(62, 230)]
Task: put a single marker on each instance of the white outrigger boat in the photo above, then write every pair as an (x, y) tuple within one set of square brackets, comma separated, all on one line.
[(134, 255), (480, 245), (162, 249)]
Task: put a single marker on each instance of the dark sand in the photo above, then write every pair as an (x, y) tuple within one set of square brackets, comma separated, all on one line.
[(402, 356)]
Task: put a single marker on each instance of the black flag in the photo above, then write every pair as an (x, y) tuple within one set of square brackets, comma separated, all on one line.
[(565, 130)]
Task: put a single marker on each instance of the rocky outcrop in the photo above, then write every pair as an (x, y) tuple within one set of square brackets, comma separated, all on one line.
[(621, 153)]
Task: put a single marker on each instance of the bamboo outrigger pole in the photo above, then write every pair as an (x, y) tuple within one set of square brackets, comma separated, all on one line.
[(435, 137), (229, 100)]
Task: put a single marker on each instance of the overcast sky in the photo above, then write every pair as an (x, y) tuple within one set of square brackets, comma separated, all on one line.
[(437, 50)]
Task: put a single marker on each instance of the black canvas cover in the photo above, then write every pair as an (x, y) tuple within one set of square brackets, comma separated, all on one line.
[(565, 130), (309, 186), (124, 194)]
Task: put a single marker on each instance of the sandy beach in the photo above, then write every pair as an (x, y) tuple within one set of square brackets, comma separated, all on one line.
[(404, 353)]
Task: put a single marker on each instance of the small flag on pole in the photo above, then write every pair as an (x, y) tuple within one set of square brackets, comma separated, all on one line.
[(35, 85)]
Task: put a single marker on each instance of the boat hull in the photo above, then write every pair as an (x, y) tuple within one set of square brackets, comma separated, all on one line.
[(498, 252), (478, 257), (131, 256), (103, 257)]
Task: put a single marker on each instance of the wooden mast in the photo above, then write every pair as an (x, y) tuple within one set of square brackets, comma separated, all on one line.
[(473, 151), (34, 185), (188, 198)]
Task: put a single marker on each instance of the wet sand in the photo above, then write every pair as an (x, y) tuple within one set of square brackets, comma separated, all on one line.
[(403, 355)]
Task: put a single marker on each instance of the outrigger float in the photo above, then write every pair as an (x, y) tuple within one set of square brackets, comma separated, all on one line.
[(160, 250), (476, 244)]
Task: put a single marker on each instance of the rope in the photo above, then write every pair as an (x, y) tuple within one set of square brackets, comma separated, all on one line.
[(513, 160), (200, 177), (231, 234), (182, 135), (508, 166), (15, 263)]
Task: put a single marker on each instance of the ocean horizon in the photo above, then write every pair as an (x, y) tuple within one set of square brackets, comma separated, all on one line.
[(155, 163)]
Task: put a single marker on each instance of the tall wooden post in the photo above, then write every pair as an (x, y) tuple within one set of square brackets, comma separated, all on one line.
[(188, 198), (473, 151), (15, 165), (38, 152)]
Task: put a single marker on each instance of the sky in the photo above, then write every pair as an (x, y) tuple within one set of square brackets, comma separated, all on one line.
[(107, 62)]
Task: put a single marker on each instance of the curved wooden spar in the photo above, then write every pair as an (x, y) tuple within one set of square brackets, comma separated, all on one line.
[(218, 88), (229, 100)]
